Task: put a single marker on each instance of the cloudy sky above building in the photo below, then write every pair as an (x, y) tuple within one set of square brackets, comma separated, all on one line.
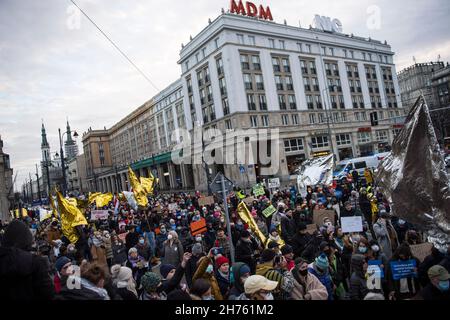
[(54, 63)]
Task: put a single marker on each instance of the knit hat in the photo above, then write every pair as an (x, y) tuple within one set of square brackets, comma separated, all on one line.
[(322, 262), (273, 244), (197, 249), (221, 260), (18, 235), (119, 273), (61, 262), (286, 249), (150, 281), (244, 269), (267, 255), (164, 269)]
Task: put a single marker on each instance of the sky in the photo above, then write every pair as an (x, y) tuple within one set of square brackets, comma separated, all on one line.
[(54, 64)]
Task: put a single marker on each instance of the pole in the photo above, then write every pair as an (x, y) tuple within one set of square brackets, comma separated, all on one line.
[(31, 188), (227, 217), (48, 175), (64, 186), (38, 185), (206, 168)]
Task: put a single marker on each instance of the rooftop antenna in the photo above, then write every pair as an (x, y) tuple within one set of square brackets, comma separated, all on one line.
[(223, 10), (209, 21), (190, 37), (285, 22)]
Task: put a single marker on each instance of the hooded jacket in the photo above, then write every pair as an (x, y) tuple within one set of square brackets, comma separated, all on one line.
[(23, 275), (237, 287)]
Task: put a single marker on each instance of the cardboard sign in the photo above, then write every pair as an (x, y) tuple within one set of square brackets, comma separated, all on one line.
[(122, 236), (269, 211), (198, 227), (403, 269), (351, 224), (99, 214), (311, 228), (374, 267), (249, 201), (319, 215), (421, 251), (258, 190), (206, 201)]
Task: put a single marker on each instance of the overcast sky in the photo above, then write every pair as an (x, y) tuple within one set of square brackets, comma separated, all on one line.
[(54, 63)]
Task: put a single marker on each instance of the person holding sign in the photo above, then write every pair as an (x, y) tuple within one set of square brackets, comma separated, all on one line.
[(403, 282)]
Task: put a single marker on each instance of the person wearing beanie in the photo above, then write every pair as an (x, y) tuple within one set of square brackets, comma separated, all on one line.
[(167, 271), (63, 266), (245, 249), (239, 273), (320, 268), (191, 266), (172, 252), (288, 254), (306, 285), (23, 275), (223, 275), (301, 240), (122, 280), (358, 283), (151, 283), (171, 276), (258, 288)]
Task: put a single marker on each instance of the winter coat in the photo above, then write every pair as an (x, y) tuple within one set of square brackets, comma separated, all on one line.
[(288, 229), (313, 286), (120, 254), (24, 276), (237, 288), (191, 267), (244, 253), (430, 292), (172, 253), (358, 286), (224, 284), (201, 273), (382, 235), (131, 240), (126, 294), (325, 279)]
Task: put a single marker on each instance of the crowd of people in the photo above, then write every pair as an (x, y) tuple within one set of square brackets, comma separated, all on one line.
[(152, 255)]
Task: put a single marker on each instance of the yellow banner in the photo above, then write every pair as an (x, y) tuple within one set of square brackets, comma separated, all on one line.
[(147, 184), (103, 200), (247, 218), (71, 217), (93, 196), (139, 193)]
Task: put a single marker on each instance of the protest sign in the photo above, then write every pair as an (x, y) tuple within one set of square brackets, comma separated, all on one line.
[(206, 201), (249, 201), (99, 214), (274, 183), (374, 266), (172, 206), (258, 190), (198, 227), (403, 269), (351, 224), (269, 211), (319, 215), (421, 251)]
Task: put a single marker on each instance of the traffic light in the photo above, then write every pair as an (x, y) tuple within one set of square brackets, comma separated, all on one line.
[(374, 119)]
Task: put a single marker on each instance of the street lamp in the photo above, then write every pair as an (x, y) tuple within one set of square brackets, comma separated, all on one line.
[(63, 167), (328, 118)]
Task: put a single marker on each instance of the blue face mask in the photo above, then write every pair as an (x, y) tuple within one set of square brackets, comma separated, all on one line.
[(209, 269), (444, 285), (362, 249)]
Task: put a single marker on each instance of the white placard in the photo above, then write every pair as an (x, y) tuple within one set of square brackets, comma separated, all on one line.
[(351, 224), (274, 183)]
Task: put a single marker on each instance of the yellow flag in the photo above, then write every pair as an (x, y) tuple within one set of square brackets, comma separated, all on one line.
[(73, 201), (155, 180), (247, 218), (93, 196), (53, 206), (16, 213), (139, 193), (103, 200), (71, 217), (147, 184)]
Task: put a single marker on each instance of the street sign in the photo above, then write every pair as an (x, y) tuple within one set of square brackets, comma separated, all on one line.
[(216, 184)]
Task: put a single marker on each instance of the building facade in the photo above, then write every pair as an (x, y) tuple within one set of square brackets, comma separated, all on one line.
[(76, 175), (441, 115), (70, 145), (6, 184), (319, 89)]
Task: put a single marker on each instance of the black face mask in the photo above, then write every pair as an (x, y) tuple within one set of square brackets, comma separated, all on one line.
[(303, 272)]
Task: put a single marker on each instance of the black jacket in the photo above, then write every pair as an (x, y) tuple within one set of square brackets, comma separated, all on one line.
[(126, 294), (24, 276), (131, 240), (288, 229), (191, 267), (299, 243), (244, 253), (430, 292), (174, 283)]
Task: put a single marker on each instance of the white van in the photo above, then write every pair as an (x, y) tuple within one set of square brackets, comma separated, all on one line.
[(344, 167)]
